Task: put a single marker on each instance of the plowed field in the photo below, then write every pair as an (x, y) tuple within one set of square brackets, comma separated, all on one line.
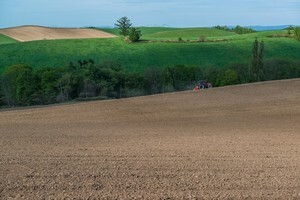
[(237, 142), (31, 33)]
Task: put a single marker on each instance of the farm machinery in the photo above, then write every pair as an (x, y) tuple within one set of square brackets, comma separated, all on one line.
[(202, 85)]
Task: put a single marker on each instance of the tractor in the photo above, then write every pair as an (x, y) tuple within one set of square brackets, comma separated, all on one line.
[(202, 85)]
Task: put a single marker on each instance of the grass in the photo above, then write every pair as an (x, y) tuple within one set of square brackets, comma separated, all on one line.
[(6, 40), (188, 33), (138, 56), (145, 30), (163, 33)]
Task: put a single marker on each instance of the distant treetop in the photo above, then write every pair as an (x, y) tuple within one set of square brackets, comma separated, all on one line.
[(238, 29)]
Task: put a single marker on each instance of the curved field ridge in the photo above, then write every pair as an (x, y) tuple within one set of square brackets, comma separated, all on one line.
[(237, 142), (32, 33)]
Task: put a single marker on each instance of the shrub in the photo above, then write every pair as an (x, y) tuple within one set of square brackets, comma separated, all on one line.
[(297, 33), (281, 69), (228, 77), (153, 80), (134, 34), (202, 38), (19, 86)]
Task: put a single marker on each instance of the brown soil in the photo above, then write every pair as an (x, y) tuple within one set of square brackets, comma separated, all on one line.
[(31, 33), (239, 142)]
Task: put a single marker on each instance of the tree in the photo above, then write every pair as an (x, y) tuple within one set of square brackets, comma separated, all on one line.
[(228, 77), (297, 33), (134, 34), (19, 86), (124, 25), (153, 80), (1, 93), (290, 29), (47, 82), (257, 60)]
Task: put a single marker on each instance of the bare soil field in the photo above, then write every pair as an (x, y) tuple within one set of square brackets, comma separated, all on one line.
[(32, 33), (237, 142)]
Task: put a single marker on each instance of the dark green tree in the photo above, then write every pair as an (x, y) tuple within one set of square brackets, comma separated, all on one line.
[(124, 25), (297, 33), (47, 82), (290, 29), (228, 77), (1, 93), (19, 85), (153, 80), (257, 60), (134, 34)]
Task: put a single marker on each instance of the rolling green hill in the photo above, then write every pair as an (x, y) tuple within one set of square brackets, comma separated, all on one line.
[(157, 33), (188, 33), (6, 40), (138, 56)]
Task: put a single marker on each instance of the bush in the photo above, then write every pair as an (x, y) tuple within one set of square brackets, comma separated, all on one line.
[(275, 69), (242, 70), (202, 38), (153, 80), (297, 33), (18, 85), (134, 34), (228, 77), (182, 77)]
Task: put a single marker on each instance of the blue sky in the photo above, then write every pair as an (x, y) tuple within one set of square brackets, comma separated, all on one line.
[(176, 13)]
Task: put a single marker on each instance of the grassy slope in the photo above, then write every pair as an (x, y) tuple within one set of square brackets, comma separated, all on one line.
[(189, 33), (136, 57), (156, 33), (6, 40), (145, 30)]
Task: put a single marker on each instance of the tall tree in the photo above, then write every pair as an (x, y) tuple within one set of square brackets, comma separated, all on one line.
[(124, 25), (257, 60)]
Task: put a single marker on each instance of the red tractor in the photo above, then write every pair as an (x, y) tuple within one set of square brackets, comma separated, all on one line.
[(202, 85)]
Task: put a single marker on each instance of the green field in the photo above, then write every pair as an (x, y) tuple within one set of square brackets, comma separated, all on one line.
[(189, 33), (6, 40), (166, 33), (138, 56)]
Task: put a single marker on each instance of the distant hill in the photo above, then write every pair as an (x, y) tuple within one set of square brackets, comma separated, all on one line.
[(268, 28)]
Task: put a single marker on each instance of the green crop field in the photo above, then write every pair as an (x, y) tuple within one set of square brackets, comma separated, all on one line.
[(6, 40), (138, 56)]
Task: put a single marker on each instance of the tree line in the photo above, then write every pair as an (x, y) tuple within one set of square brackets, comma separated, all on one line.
[(21, 85), (238, 29)]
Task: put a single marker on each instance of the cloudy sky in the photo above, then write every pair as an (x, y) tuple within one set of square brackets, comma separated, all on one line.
[(176, 13)]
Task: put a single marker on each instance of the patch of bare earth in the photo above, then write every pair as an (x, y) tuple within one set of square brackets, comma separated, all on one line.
[(239, 142), (31, 33)]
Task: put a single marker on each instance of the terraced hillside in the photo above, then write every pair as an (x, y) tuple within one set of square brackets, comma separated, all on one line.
[(239, 142)]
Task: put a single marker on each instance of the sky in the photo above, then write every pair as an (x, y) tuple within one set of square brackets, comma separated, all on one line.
[(174, 13)]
